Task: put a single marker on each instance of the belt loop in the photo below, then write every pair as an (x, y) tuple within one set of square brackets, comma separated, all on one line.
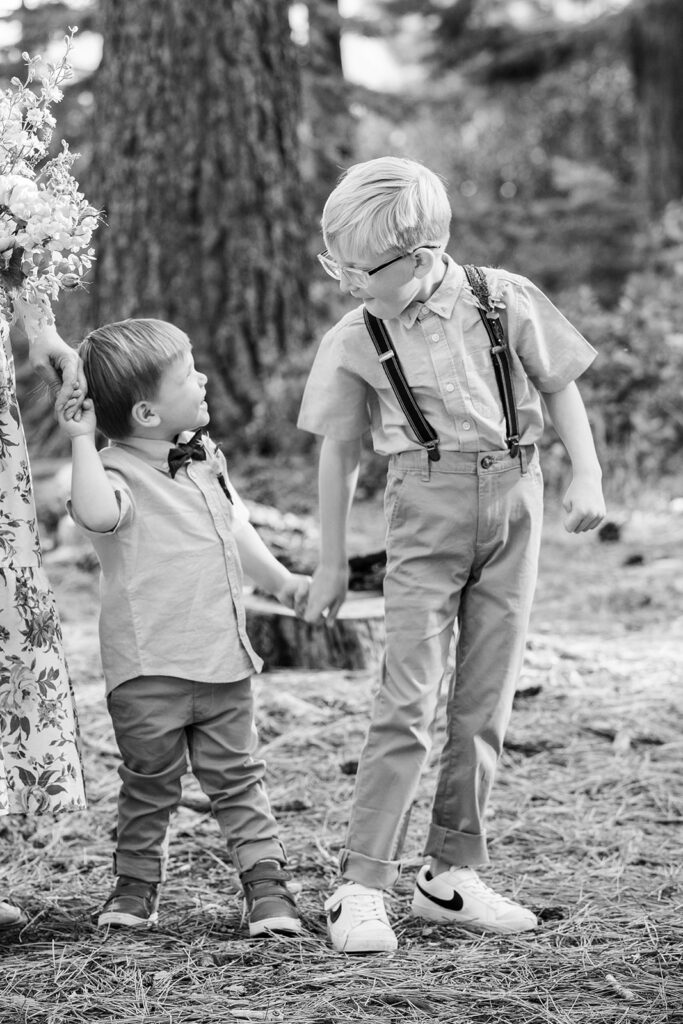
[(426, 465), (523, 458)]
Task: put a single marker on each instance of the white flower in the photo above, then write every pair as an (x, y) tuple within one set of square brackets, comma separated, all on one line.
[(52, 94), (46, 224)]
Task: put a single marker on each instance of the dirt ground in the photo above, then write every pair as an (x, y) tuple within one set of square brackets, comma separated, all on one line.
[(586, 827)]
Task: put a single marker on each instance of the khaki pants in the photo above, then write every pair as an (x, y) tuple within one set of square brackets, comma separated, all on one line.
[(160, 720), (463, 536)]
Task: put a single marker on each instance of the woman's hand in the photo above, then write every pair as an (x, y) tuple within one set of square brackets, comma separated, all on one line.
[(53, 360)]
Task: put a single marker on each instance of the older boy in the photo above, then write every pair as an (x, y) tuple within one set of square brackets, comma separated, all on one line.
[(463, 531), (172, 537)]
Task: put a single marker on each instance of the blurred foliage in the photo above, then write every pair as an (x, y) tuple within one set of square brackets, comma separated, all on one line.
[(538, 140), (633, 391)]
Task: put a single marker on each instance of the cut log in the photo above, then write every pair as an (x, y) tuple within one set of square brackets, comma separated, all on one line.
[(354, 641)]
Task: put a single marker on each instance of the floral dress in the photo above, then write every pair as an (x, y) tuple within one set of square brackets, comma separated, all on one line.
[(40, 766)]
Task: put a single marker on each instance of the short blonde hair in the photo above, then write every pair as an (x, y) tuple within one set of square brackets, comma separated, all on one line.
[(123, 364), (386, 204)]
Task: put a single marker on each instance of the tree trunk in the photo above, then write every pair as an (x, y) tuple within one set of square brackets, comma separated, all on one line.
[(354, 641), (656, 43), (198, 111), (329, 128)]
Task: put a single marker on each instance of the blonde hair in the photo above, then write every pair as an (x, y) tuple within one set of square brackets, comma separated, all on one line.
[(385, 204), (123, 364)]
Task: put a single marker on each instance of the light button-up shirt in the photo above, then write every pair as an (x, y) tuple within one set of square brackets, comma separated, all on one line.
[(171, 583), (445, 353)]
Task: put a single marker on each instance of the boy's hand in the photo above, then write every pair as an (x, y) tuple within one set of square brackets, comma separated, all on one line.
[(294, 594), (584, 504), (76, 426), (328, 593)]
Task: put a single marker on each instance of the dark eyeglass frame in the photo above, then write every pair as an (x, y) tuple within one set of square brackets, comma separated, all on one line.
[(325, 259)]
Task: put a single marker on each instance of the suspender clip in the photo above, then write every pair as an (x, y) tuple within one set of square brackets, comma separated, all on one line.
[(433, 452)]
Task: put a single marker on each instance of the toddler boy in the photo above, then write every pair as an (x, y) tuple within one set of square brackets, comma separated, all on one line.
[(173, 537)]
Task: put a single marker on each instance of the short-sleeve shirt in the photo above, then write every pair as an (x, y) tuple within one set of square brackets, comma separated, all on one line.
[(444, 350), (171, 581)]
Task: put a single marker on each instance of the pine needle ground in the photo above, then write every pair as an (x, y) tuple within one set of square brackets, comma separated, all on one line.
[(586, 828)]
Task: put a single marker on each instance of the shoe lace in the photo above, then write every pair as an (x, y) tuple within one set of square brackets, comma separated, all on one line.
[(365, 905), (476, 883)]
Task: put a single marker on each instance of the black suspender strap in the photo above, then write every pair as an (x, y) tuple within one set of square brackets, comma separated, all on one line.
[(421, 427), (499, 355)]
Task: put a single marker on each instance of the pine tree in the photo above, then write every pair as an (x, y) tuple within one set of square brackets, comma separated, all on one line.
[(198, 109)]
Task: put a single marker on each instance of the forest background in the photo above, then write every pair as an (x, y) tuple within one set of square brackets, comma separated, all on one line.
[(210, 134)]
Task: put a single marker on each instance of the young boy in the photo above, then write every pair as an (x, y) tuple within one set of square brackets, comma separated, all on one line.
[(463, 531), (172, 537)]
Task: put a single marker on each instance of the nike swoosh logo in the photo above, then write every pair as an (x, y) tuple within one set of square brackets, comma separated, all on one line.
[(454, 903), (335, 913)]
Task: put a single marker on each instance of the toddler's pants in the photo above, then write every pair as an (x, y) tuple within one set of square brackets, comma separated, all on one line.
[(463, 537), (158, 722)]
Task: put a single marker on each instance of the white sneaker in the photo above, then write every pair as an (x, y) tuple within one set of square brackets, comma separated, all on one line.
[(459, 896), (357, 920), (10, 916)]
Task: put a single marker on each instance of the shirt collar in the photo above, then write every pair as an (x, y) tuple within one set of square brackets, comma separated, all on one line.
[(443, 300), (150, 450)]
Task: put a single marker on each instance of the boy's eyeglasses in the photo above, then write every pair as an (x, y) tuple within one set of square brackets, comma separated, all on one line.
[(355, 274)]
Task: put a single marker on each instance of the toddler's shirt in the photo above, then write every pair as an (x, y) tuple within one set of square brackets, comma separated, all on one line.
[(444, 350), (171, 582)]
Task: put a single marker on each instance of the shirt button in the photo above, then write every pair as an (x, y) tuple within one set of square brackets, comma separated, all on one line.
[(450, 387), (466, 425), (422, 313), (434, 337), (487, 462)]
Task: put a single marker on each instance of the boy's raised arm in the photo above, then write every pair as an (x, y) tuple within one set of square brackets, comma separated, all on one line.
[(583, 502), (337, 479), (93, 499)]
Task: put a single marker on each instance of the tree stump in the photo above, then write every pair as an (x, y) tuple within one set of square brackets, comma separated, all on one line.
[(354, 641)]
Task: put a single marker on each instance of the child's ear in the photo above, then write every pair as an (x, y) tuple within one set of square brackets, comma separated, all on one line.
[(144, 414), (424, 261)]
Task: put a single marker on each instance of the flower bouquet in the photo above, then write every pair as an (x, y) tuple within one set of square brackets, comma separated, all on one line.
[(46, 224)]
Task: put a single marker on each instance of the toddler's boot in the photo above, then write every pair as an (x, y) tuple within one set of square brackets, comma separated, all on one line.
[(269, 905)]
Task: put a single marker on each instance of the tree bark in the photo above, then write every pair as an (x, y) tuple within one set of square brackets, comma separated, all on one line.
[(354, 641), (656, 43), (198, 163), (329, 127)]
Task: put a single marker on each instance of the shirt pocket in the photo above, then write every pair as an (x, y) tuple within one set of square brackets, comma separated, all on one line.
[(483, 385), (417, 370), (481, 381)]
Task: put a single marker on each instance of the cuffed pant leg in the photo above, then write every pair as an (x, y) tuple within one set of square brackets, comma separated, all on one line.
[(427, 567), (149, 715), (494, 618), (222, 744), (145, 805)]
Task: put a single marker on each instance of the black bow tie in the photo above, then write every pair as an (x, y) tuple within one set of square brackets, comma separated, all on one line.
[(184, 452), (180, 454)]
